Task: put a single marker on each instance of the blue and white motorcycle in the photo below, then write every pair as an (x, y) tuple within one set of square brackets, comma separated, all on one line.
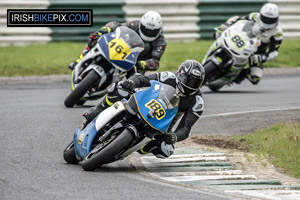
[(124, 127), (107, 62)]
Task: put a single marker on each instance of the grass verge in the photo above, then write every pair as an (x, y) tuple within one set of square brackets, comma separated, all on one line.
[(280, 144), (53, 58)]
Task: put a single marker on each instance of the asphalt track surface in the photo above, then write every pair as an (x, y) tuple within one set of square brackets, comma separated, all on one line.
[(36, 127)]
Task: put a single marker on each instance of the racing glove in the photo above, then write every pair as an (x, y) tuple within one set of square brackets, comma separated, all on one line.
[(257, 58), (104, 30), (219, 30), (170, 138), (128, 85), (140, 65)]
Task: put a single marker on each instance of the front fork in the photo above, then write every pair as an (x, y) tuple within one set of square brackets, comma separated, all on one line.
[(98, 69)]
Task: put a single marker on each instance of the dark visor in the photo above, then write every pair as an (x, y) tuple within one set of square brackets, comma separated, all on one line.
[(149, 32), (189, 81), (268, 20)]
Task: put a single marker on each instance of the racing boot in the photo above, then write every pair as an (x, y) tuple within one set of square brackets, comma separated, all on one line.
[(158, 148), (72, 65), (91, 113)]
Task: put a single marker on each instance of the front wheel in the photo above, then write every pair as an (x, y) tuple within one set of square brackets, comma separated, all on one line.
[(215, 89), (209, 67), (81, 89), (69, 154), (105, 152)]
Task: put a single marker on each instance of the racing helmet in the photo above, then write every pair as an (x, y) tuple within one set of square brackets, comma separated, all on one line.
[(150, 26), (189, 77), (269, 16)]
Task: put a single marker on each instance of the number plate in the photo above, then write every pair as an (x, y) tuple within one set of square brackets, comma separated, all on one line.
[(118, 50), (157, 108)]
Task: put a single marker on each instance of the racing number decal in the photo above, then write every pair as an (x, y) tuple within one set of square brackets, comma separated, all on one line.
[(118, 50), (238, 41), (158, 109), (80, 139)]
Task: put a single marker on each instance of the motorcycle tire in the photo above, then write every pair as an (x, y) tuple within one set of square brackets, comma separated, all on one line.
[(80, 102), (81, 89), (69, 154), (215, 89), (209, 68), (104, 153)]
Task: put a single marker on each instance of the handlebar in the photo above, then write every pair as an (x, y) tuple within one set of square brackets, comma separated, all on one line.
[(121, 88)]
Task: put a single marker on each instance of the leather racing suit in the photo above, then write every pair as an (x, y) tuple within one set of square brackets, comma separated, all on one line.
[(190, 109), (268, 50)]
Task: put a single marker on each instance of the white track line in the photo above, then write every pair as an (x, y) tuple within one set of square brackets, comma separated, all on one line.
[(251, 111)]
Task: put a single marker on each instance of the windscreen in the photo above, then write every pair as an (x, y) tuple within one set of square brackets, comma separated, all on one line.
[(168, 97), (248, 28), (131, 38)]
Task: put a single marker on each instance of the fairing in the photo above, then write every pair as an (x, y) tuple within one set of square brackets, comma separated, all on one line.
[(161, 99)]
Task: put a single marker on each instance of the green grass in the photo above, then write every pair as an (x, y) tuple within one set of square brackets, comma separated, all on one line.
[(177, 52), (280, 144), (288, 54), (48, 59), (53, 58)]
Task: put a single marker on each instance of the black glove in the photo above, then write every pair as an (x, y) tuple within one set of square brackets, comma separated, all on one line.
[(170, 138), (128, 85)]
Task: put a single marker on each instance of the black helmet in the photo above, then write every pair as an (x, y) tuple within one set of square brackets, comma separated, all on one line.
[(190, 76)]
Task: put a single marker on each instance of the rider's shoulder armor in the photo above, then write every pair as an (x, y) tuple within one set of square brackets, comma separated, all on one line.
[(166, 76), (199, 104), (134, 25), (276, 33), (254, 16), (193, 103)]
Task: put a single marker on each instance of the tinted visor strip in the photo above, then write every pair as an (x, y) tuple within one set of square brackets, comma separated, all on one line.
[(189, 81), (149, 32), (268, 20)]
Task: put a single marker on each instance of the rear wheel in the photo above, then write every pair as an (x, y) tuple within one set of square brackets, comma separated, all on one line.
[(105, 152), (81, 89), (69, 154)]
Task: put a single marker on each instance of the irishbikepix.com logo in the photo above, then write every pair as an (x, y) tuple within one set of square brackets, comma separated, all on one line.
[(47, 18)]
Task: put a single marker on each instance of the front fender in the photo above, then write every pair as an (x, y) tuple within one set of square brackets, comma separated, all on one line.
[(83, 139)]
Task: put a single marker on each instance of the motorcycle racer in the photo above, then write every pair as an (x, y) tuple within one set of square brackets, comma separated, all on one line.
[(149, 28), (187, 81), (268, 28)]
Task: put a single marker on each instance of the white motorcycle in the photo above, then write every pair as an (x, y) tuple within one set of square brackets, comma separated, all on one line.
[(229, 54)]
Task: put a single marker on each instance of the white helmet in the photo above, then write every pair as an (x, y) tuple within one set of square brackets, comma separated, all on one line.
[(150, 26), (269, 16)]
